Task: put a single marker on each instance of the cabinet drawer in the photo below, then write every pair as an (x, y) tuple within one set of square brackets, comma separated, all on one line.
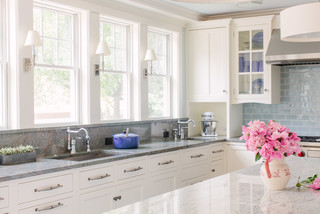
[(96, 177), (35, 190), (216, 168), (4, 195), (129, 170), (192, 171), (195, 155), (56, 207), (313, 153), (163, 162), (217, 151)]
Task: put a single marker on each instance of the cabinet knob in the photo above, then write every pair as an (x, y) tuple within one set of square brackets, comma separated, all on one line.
[(265, 90), (117, 198), (213, 170), (224, 91)]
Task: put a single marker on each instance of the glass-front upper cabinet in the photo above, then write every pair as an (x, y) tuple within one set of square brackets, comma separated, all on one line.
[(251, 61), (252, 79)]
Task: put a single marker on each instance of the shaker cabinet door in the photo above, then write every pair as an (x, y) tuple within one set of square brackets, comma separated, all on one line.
[(208, 65)]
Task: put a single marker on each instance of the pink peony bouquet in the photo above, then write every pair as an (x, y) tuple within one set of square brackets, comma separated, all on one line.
[(271, 141)]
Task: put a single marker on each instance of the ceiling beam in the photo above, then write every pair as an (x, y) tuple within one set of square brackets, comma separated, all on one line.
[(165, 9)]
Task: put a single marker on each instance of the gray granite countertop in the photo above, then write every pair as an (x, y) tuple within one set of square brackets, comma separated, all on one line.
[(235, 140), (238, 192), (156, 146)]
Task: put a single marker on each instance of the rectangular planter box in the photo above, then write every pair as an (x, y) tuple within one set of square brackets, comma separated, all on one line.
[(18, 158)]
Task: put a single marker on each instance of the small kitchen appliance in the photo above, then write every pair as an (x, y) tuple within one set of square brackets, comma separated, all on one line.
[(208, 125)]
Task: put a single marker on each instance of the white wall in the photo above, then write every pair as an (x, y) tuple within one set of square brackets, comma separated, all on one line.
[(219, 109)]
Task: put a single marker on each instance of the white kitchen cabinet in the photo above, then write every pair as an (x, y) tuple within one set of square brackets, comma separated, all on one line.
[(161, 183), (64, 206), (96, 202), (98, 176), (238, 157), (195, 165), (103, 187), (4, 197), (44, 188), (252, 79), (217, 161), (163, 173), (208, 62), (128, 192)]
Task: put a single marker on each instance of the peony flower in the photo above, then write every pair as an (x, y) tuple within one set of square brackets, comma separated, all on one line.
[(316, 184), (271, 141)]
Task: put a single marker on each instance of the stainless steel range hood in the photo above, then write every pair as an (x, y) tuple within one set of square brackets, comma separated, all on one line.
[(291, 53)]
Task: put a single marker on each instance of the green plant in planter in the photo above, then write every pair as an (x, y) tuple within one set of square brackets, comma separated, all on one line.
[(16, 150)]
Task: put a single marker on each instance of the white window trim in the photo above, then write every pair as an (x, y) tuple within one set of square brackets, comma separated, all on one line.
[(75, 90), (169, 74), (104, 19)]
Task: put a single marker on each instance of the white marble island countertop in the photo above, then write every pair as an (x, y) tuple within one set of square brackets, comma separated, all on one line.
[(237, 192)]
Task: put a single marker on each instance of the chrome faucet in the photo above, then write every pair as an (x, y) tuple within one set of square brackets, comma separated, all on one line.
[(181, 133), (69, 131)]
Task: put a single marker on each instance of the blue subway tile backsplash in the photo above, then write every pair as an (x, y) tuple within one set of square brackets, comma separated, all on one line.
[(299, 109)]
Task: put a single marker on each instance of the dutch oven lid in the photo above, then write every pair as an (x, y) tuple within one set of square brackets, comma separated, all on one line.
[(124, 135)]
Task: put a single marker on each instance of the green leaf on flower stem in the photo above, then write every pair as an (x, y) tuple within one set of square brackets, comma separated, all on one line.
[(275, 149), (258, 156), (259, 147), (285, 154)]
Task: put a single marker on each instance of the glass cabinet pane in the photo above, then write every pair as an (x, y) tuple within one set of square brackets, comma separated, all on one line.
[(244, 40), (257, 62), (244, 84), (257, 40), (257, 84), (244, 62)]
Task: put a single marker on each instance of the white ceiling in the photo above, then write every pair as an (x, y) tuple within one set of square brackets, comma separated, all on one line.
[(213, 9)]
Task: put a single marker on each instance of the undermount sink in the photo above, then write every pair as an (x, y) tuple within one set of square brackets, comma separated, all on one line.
[(82, 156)]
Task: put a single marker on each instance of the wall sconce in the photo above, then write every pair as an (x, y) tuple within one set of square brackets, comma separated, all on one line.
[(102, 50), (150, 56), (33, 39)]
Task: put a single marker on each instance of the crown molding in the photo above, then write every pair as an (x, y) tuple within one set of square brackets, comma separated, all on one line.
[(164, 8), (275, 11)]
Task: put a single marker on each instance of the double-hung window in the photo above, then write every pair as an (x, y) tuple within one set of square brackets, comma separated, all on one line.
[(114, 81), (159, 81), (55, 73), (3, 82)]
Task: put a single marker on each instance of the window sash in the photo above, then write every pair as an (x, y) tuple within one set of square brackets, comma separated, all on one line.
[(72, 66), (57, 39), (167, 75), (126, 72)]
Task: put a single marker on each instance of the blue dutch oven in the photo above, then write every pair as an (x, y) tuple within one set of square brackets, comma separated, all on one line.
[(120, 141)]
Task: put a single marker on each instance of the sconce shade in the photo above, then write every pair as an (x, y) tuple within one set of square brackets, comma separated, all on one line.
[(33, 38), (103, 49), (301, 23), (150, 55)]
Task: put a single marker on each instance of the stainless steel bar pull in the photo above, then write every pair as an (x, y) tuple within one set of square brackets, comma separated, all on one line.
[(99, 177), (197, 156), (48, 188), (51, 207), (133, 170), (166, 163)]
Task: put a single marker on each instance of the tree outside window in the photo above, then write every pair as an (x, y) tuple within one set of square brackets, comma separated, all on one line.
[(159, 81), (114, 85), (55, 71)]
